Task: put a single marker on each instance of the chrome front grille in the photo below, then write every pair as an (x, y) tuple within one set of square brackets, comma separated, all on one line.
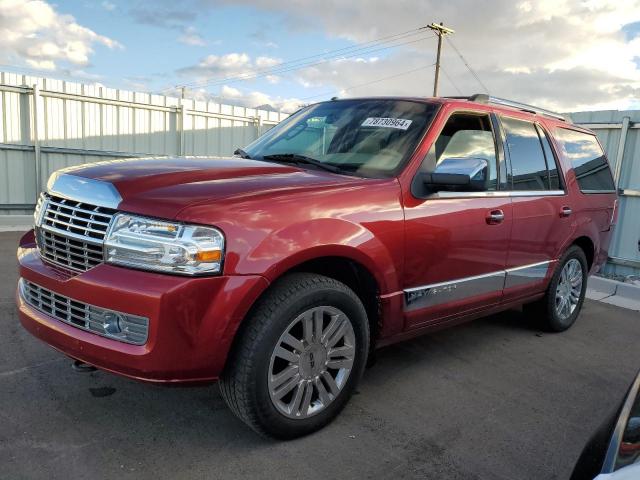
[(107, 323), (71, 233)]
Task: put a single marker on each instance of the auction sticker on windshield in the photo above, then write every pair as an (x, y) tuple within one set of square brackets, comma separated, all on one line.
[(399, 123)]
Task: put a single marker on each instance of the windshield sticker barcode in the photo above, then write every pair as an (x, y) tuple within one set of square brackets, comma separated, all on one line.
[(399, 123)]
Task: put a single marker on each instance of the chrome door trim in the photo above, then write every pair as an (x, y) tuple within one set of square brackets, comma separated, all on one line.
[(526, 274), (85, 190), (592, 192), (452, 290), (498, 194)]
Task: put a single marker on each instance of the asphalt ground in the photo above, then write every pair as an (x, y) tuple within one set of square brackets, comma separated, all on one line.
[(493, 399)]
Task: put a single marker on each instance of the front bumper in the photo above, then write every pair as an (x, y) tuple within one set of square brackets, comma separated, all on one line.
[(192, 321)]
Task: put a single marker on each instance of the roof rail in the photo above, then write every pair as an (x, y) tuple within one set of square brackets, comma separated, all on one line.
[(484, 98)]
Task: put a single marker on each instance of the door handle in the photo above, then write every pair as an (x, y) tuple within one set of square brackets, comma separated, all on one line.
[(495, 217), (565, 211)]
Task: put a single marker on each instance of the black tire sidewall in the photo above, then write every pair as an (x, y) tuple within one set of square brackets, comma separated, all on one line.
[(276, 423), (555, 323)]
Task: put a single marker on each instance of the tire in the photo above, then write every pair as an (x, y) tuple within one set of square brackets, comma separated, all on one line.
[(548, 311), (303, 314)]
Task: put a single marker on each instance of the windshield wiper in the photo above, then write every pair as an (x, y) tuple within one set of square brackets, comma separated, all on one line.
[(301, 159), (241, 153)]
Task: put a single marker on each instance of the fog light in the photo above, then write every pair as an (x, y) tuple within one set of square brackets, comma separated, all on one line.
[(112, 323)]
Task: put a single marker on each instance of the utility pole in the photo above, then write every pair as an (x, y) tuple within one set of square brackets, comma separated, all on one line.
[(441, 31)]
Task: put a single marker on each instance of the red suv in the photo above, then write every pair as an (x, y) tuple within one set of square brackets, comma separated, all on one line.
[(351, 225)]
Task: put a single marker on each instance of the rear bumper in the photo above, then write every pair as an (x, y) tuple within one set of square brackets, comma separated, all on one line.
[(192, 321)]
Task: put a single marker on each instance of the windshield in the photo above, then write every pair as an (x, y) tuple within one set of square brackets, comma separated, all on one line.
[(372, 137)]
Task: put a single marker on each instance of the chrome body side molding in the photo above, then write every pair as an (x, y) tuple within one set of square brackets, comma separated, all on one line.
[(454, 290), (438, 293), (526, 274), (85, 190)]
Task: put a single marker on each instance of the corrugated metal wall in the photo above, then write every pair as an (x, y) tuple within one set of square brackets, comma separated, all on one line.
[(619, 133), (49, 124)]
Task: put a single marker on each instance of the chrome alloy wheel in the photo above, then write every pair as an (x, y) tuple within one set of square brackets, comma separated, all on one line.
[(569, 289), (311, 362)]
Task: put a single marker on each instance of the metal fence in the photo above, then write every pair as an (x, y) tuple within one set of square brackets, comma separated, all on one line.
[(619, 133), (50, 124)]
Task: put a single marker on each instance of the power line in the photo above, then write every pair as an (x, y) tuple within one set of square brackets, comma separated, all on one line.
[(333, 53), (369, 83), (468, 66), (451, 81), (276, 70)]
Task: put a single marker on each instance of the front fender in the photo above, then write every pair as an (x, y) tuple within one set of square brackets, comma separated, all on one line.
[(296, 243)]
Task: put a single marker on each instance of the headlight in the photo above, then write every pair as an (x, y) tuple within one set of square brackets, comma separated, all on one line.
[(170, 247)]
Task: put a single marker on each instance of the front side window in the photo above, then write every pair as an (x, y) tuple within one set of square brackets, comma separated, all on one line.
[(370, 137), (528, 165), (466, 142), (587, 158)]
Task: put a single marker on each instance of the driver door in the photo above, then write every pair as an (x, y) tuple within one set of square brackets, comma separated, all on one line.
[(457, 236)]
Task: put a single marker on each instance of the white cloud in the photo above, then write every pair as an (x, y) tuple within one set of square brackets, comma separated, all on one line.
[(562, 54), (34, 33), (235, 96), (232, 64), (267, 62), (190, 36), (230, 92), (108, 6)]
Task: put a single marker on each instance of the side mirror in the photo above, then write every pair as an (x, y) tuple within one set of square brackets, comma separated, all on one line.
[(458, 174)]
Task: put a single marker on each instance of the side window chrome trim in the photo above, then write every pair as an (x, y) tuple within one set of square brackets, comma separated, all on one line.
[(598, 191), (438, 293), (498, 194)]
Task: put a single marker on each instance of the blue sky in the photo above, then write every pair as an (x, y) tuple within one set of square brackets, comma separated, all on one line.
[(561, 54), (152, 54)]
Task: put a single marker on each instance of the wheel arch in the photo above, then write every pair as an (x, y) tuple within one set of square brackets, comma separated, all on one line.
[(344, 268), (354, 275), (588, 247)]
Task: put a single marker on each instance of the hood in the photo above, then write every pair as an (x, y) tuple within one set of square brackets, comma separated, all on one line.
[(162, 186)]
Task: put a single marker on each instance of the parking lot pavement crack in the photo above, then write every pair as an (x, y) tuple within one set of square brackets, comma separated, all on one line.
[(17, 371)]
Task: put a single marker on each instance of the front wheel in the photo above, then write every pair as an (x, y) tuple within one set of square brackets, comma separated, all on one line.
[(299, 357), (562, 303)]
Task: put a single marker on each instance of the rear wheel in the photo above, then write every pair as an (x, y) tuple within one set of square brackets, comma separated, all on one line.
[(561, 305), (299, 357)]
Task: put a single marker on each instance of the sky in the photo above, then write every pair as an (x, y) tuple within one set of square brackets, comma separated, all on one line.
[(558, 54)]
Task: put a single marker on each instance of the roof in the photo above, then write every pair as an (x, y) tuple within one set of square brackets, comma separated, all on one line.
[(479, 98)]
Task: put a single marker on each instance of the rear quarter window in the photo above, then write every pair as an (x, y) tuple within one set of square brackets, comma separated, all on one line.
[(587, 159)]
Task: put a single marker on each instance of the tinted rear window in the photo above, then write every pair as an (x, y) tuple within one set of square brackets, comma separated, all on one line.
[(554, 176), (588, 160)]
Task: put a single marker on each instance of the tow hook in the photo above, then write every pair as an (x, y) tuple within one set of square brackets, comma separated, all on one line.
[(82, 367)]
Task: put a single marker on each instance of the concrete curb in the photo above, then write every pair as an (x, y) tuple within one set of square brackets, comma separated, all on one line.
[(613, 292), (12, 223)]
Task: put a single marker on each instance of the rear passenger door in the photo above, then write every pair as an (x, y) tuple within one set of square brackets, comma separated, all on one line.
[(540, 206)]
